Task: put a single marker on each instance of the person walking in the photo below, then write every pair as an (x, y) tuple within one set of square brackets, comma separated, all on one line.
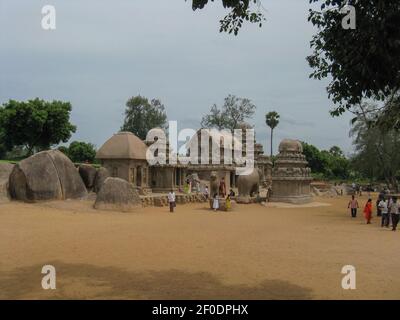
[(171, 201), (394, 211), (378, 208), (368, 211), (383, 207), (215, 202), (353, 206)]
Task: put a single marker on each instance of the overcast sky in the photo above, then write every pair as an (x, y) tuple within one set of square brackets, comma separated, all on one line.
[(104, 52)]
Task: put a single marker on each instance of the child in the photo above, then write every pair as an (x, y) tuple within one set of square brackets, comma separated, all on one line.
[(215, 202), (368, 211)]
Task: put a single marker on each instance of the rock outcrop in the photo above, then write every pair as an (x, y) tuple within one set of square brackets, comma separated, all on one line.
[(5, 171), (117, 195), (101, 175), (47, 175), (88, 175)]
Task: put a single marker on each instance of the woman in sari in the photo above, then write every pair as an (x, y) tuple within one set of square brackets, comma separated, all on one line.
[(368, 211)]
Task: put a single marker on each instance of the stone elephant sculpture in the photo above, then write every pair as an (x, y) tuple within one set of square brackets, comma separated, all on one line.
[(248, 185), (214, 183)]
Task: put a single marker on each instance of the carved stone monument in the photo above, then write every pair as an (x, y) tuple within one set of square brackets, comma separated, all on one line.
[(290, 176)]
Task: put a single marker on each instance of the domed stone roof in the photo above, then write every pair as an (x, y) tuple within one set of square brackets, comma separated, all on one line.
[(289, 145), (123, 145)]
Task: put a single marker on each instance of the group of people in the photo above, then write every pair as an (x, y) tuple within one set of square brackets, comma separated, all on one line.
[(220, 195), (228, 199), (215, 201), (388, 209)]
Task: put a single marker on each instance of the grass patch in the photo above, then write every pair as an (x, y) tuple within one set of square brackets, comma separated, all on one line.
[(9, 161)]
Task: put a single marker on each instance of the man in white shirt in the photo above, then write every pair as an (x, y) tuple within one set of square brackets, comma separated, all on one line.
[(171, 201), (394, 210), (383, 206)]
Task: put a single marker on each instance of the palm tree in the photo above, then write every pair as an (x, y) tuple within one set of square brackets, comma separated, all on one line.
[(272, 120)]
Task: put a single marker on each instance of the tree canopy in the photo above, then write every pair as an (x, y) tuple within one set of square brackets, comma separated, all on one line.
[(142, 115), (233, 114), (362, 63), (377, 155), (241, 11), (330, 164), (272, 121), (80, 152), (35, 124)]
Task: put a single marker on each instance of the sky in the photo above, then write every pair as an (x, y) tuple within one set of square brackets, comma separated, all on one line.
[(105, 51)]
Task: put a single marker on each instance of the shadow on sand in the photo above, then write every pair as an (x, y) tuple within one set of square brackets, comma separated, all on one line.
[(85, 281)]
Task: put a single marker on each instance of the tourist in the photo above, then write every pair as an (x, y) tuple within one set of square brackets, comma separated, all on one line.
[(171, 201), (368, 211), (206, 192), (378, 208), (353, 206), (222, 188), (228, 203), (383, 207), (215, 202), (394, 210)]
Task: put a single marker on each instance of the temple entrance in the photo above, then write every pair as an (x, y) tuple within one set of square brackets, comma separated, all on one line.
[(177, 177), (232, 179), (139, 176)]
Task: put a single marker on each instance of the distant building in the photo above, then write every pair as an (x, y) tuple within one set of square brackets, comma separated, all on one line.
[(124, 155)]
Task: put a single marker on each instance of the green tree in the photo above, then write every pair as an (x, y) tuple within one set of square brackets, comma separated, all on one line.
[(142, 115), (80, 152), (362, 63), (232, 115), (377, 154), (241, 11), (336, 152), (63, 149), (35, 124), (272, 121), (3, 148), (330, 164), (316, 161)]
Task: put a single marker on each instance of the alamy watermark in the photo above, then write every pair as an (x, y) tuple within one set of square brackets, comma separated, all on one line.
[(49, 280), (349, 20), (205, 146), (349, 280)]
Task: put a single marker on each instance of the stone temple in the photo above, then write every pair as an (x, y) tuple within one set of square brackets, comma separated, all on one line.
[(291, 177), (124, 156)]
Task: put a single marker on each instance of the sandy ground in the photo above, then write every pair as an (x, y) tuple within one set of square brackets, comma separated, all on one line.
[(255, 252)]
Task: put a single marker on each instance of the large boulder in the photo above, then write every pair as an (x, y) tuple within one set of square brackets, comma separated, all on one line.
[(5, 171), (117, 195), (88, 175), (101, 175), (47, 175)]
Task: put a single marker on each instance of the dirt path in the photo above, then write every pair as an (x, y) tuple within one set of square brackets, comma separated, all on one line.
[(254, 252)]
